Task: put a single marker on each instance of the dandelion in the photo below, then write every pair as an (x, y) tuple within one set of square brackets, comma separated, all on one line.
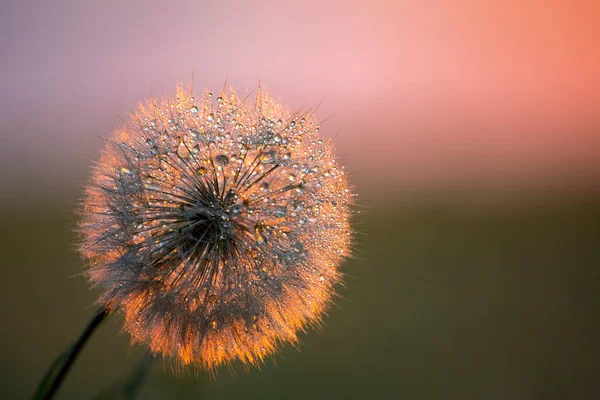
[(216, 227)]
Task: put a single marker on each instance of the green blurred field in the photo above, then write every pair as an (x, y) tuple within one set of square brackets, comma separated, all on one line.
[(445, 300)]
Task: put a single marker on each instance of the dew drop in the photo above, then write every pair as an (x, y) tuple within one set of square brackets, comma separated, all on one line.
[(264, 186), (221, 160), (196, 149), (297, 247), (194, 109), (279, 211), (268, 157)]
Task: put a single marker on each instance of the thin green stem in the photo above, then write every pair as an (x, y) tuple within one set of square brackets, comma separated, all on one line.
[(71, 356)]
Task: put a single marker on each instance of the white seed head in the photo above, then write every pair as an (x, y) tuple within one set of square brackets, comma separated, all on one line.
[(217, 228)]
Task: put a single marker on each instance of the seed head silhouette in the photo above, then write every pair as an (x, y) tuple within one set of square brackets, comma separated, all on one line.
[(217, 228)]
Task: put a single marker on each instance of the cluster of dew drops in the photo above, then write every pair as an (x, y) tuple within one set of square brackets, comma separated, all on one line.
[(261, 162), (244, 179)]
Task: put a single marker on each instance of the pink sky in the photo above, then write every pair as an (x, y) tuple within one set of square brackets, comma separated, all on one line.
[(419, 92)]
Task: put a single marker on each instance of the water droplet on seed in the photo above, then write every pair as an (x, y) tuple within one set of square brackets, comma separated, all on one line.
[(268, 157), (279, 211), (221, 160), (297, 247)]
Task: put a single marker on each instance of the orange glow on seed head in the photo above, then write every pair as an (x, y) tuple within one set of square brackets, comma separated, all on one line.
[(217, 227)]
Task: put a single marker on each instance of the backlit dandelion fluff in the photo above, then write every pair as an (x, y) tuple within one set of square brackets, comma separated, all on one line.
[(216, 227)]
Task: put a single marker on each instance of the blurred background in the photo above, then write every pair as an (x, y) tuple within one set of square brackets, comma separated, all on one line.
[(471, 131)]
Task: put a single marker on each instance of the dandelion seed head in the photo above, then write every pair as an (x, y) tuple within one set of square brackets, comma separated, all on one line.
[(216, 226)]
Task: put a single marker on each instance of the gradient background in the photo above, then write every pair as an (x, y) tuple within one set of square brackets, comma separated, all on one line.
[(471, 130)]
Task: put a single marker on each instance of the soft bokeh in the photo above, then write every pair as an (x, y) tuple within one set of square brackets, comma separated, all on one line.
[(471, 130), (416, 93)]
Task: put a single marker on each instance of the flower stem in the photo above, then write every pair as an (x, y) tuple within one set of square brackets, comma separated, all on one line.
[(71, 355)]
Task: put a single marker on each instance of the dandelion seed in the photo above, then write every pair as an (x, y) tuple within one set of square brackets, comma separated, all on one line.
[(212, 227)]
